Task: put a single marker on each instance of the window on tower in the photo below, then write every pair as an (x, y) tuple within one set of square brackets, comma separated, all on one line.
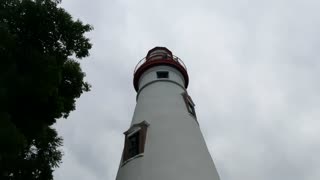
[(162, 74), (191, 108), (190, 105), (133, 144), (135, 139)]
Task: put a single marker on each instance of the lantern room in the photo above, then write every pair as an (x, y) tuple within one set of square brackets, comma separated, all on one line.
[(159, 56)]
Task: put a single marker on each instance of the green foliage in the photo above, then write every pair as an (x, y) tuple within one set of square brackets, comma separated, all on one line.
[(39, 83)]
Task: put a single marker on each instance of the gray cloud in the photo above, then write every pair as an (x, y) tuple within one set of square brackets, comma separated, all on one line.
[(253, 69)]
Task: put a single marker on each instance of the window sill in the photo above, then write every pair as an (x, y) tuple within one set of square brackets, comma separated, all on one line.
[(130, 159)]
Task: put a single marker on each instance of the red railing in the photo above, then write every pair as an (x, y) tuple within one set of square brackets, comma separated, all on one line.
[(160, 56)]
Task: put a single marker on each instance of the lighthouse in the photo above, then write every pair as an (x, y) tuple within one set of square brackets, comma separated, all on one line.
[(164, 140)]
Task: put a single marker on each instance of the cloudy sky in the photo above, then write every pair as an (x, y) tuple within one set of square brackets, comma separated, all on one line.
[(254, 72)]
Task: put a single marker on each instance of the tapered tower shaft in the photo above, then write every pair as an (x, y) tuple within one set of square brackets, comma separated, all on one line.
[(164, 141)]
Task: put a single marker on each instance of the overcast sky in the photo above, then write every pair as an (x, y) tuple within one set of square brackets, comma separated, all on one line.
[(254, 72)]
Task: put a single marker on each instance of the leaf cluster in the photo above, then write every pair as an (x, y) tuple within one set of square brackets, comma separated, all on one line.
[(39, 83)]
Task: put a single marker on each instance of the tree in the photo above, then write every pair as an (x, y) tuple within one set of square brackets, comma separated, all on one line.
[(39, 83)]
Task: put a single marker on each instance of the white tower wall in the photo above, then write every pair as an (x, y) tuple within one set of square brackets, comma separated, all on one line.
[(174, 148)]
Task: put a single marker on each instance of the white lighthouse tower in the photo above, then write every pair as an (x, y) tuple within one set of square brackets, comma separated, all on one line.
[(164, 141)]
